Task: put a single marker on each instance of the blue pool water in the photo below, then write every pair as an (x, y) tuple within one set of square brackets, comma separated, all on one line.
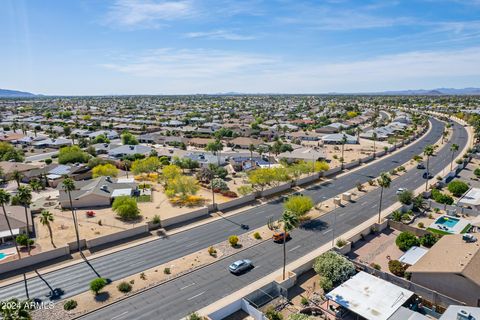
[(2, 255), (447, 222)]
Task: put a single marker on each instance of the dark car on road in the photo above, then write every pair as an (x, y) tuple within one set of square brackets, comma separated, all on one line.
[(240, 266), (420, 166), (427, 175)]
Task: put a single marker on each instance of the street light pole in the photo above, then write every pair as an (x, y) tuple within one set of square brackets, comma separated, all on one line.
[(334, 223)]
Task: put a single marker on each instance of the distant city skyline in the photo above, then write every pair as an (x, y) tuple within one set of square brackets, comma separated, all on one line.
[(89, 47)]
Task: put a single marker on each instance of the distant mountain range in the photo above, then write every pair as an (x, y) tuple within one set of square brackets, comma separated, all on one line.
[(4, 93), (432, 92)]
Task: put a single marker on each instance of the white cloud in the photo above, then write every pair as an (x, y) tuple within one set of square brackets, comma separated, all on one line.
[(147, 13), (207, 71), (219, 34), (189, 64)]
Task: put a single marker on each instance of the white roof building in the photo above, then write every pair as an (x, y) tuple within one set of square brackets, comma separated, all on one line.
[(370, 297)]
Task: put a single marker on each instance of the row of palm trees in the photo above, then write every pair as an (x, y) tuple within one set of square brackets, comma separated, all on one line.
[(24, 198)]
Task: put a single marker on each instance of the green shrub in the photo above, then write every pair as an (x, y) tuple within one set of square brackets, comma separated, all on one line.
[(397, 215), (396, 267), (375, 266), (212, 251), (340, 243), (124, 287), (406, 240), (72, 154), (457, 188), (233, 240), (156, 219), (49, 161), (257, 236), (304, 301), (406, 197), (126, 208), (23, 240), (441, 198), (428, 240), (70, 305), (326, 284), (167, 270), (334, 266), (97, 284), (421, 225), (194, 316), (476, 172), (272, 314)]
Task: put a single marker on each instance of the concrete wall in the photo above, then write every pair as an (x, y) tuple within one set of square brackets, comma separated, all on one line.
[(34, 259), (351, 164), (305, 180), (405, 227), (380, 153), (73, 245), (332, 171), (184, 217), (226, 311), (89, 201), (392, 148), (117, 236), (367, 159), (399, 145), (277, 189), (451, 285), (236, 202)]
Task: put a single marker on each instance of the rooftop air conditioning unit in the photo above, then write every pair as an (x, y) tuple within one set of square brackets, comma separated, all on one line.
[(104, 187), (464, 315), (132, 147)]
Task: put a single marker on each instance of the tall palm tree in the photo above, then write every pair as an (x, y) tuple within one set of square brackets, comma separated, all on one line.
[(374, 136), (290, 221), (384, 181), (5, 199), (17, 176), (251, 148), (69, 185), (428, 152), (344, 140), (25, 199), (45, 218), (454, 148)]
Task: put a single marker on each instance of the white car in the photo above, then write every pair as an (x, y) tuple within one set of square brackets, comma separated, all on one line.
[(400, 190), (240, 266)]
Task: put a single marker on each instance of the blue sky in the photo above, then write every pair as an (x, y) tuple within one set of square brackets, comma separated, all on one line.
[(94, 47)]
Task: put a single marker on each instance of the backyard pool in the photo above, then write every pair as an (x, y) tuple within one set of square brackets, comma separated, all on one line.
[(447, 221), (3, 255), (449, 225)]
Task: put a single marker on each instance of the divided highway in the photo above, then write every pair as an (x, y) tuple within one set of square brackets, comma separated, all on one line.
[(74, 279), (177, 298)]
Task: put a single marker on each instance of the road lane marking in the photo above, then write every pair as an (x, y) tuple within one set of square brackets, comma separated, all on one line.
[(330, 230), (191, 284), (196, 296), (259, 212), (120, 315), (294, 248)]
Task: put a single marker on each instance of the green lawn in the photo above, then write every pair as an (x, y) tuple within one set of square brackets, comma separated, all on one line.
[(144, 198)]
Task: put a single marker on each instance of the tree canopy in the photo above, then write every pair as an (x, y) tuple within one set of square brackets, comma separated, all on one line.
[(298, 205), (334, 267), (126, 208), (105, 170), (72, 154)]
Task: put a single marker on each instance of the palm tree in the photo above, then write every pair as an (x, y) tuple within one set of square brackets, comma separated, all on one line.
[(17, 176), (45, 218), (215, 147), (5, 199), (290, 222), (35, 185), (428, 152), (344, 140), (25, 199), (69, 185), (251, 148), (454, 148), (374, 136), (384, 182)]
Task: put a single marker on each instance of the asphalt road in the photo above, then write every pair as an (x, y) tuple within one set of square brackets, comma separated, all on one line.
[(75, 279), (179, 297)]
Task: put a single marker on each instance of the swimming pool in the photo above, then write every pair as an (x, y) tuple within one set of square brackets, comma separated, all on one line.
[(447, 221), (3, 255)]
